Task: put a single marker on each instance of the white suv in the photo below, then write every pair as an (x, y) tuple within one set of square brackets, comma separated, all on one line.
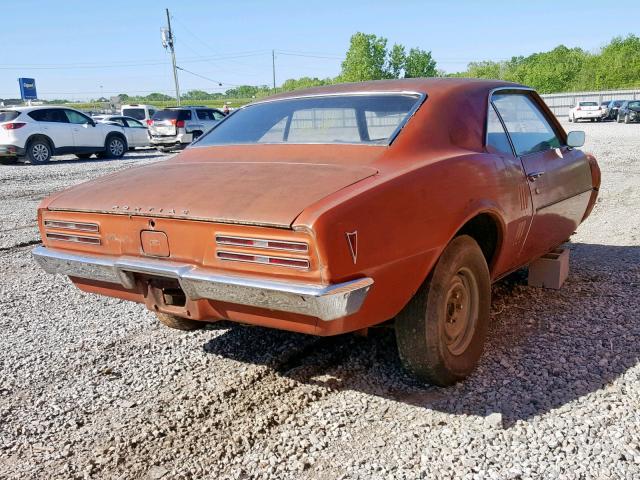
[(37, 133), (178, 126)]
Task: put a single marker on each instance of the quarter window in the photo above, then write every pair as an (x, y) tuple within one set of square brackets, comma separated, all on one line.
[(497, 140), (528, 128)]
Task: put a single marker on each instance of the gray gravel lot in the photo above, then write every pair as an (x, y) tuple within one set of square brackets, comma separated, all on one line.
[(93, 387)]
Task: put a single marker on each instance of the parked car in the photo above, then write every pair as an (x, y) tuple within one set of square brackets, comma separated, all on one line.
[(136, 133), (613, 107), (177, 127), (629, 111), (143, 113), (604, 106), (37, 133), (586, 110), (337, 208)]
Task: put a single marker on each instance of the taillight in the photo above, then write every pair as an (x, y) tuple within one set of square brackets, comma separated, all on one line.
[(264, 259), (578, 108), (72, 227), (179, 123), (149, 122), (262, 244), (13, 126)]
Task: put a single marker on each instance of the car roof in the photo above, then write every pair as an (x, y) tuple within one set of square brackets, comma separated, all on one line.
[(429, 86)]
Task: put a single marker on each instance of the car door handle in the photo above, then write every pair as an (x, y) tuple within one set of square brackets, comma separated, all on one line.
[(533, 176)]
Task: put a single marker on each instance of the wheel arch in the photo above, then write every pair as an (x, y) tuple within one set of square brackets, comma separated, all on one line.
[(121, 135), (487, 228), (35, 136)]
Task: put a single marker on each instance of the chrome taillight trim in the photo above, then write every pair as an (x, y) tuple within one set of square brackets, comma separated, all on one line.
[(63, 237), (78, 226), (262, 259), (262, 243)]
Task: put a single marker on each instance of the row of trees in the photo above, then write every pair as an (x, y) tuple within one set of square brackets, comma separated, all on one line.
[(616, 65)]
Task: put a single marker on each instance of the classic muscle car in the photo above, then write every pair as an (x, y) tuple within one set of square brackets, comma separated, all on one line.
[(334, 209)]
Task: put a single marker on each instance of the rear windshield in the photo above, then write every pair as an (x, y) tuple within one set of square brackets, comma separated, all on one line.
[(8, 115), (171, 114), (365, 119), (137, 113), (588, 104), (635, 104)]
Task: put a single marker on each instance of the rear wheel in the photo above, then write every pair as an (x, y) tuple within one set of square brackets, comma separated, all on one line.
[(626, 118), (570, 119), (441, 332), (179, 323), (195, 135), (39, 151), (114, 147)]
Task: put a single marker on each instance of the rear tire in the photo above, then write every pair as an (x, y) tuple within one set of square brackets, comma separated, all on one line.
[(626, 119), (39, 151), (179, 323), (441, 332), (114, 147)]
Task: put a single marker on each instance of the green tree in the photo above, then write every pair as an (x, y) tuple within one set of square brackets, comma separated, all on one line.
[(419, 63), (397, 59), (618, 64), (365, 59)]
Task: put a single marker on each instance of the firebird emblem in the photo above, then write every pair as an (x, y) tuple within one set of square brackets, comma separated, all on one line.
[(352, 240)]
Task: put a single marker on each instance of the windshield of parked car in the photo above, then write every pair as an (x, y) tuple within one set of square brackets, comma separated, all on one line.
[(8, 115), (360, 119), (137, 113)]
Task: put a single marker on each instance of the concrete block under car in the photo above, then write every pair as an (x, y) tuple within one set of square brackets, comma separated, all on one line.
[(550, 270)]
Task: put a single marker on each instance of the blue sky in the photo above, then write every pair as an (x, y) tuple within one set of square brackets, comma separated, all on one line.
[(80, 49)]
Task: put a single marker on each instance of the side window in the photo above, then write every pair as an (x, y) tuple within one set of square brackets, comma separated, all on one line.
[(204, 114), (497, 140), (118, 121), (76, 118), (49, 115), (130, 122), (184, 114), (528, 128), (217, 115), (39, 115)]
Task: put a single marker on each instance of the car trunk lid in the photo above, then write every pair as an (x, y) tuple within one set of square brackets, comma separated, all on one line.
[(257, 193)]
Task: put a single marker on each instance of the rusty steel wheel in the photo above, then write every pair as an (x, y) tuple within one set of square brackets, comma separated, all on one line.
[(179, 323), (441, 332)]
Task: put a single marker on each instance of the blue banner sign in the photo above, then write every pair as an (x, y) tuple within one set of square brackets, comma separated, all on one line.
[(28, 88)]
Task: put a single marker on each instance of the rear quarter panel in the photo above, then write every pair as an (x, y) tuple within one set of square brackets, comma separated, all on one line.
[(404, 218)]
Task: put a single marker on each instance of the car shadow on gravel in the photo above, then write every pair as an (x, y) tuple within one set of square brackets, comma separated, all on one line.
[(546, 348)]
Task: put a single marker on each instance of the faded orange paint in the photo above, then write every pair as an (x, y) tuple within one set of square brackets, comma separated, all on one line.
[(406, 201)]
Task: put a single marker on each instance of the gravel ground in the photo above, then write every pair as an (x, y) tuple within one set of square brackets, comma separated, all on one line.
[(93, 387)]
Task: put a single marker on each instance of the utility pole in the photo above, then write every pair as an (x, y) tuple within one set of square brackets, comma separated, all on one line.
[(273, 64), (167, 42)]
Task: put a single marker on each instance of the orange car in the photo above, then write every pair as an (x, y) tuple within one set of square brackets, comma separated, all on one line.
[(333, 209)]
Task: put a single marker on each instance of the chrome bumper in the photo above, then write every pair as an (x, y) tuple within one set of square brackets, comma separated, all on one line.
[(326, 302)]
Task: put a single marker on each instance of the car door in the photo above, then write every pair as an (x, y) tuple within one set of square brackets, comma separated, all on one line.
[(559, 177), (137, 134), (85, 133), (55, 125)]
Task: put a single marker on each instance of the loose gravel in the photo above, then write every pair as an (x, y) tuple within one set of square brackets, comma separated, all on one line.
[(93, 387)]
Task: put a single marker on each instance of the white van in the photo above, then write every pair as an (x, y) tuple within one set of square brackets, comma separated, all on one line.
[(140, 112)]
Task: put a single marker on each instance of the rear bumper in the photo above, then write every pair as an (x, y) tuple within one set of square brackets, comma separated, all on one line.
[(326, 302), (11, 151), (170, 140)]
